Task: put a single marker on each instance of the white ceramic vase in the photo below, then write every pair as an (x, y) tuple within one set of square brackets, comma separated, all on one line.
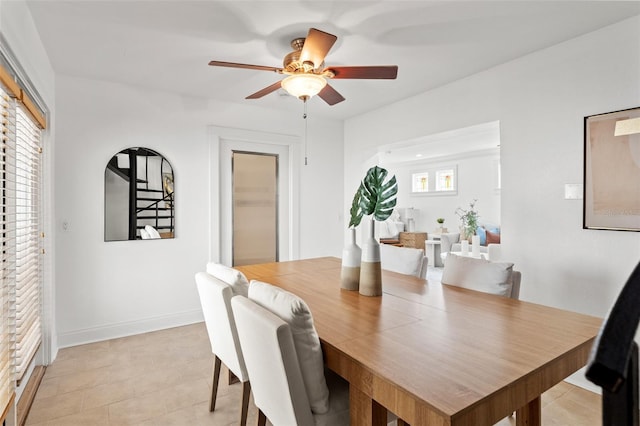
[(351, 256), (475, 245), (464, 247), (370, 269)]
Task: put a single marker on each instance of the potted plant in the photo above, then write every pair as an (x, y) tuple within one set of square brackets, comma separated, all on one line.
[(440, 229), (469, 220), (375, 197)]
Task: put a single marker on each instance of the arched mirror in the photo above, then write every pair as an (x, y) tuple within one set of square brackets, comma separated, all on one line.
[(138, 196)]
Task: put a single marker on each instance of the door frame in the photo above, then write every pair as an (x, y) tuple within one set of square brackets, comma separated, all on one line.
[(222, 142)]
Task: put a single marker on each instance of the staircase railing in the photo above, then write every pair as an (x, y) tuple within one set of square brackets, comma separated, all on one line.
[(140, 219), (155, 206)]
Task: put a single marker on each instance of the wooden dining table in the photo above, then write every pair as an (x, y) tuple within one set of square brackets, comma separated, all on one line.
[(435, 354)]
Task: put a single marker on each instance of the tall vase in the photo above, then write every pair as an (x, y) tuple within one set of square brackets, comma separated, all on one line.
[(351, 256), (475, 245), (370, 269), (464, 247)]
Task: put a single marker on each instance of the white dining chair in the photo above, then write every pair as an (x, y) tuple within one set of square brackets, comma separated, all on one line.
[(236, 279), (404, 260), (215, 298), (276, 373), (482, 275)]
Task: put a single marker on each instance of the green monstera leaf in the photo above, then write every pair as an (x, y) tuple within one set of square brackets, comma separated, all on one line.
[(377, 197), (356, 212)]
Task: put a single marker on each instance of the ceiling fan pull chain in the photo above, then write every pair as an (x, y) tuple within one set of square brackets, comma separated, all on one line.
[(304, 117)]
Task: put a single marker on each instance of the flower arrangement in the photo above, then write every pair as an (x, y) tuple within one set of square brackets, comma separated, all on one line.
[(374, 197), (469, 219)]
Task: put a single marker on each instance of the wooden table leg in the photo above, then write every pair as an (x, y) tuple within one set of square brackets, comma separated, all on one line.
[(364, 410), (530, 414)]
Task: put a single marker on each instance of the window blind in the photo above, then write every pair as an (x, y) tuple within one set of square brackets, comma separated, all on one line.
[(22, 121), (26, 169), (7, 111), (20, 176)]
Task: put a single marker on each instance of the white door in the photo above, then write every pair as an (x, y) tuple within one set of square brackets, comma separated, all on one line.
[(255, 208)]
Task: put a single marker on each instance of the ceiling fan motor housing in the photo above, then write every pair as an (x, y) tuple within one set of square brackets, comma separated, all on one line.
[(292, 63)]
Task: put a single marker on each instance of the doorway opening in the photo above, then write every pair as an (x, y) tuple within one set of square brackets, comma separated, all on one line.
[(472, 153), (255, 207), (224, 143)]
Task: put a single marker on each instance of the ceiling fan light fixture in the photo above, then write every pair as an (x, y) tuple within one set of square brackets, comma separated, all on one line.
[(304, 85)]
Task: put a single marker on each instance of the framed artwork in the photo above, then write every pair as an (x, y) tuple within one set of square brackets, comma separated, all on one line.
[(420, 182), (612, 171), (435, 181)]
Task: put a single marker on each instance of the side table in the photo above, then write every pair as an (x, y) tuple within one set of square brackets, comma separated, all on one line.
[(413, 239), (433, 252)]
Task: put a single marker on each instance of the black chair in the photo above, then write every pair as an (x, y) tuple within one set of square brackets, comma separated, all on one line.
[(613, 362)]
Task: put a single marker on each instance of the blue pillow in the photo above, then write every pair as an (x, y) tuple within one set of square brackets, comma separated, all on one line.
[(483, 235)]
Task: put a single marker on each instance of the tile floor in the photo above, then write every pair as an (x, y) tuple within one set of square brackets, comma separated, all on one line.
[(163, 378)]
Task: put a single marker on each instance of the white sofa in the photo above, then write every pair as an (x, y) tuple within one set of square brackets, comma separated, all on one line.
[(390, 229)]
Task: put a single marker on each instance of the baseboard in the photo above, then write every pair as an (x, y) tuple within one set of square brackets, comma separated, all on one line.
[(97, 334)]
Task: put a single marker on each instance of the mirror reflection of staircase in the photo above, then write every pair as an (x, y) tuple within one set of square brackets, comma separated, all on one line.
[(151, 199)]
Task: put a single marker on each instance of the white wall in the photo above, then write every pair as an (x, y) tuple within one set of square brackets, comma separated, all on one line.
[(541, 101), (477, 179), (117, 288)]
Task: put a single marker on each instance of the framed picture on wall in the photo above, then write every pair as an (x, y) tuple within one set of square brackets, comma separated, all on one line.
[(441, 180), (612, 171)]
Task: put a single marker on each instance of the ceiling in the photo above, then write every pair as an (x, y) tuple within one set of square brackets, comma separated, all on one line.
[(167, 45)]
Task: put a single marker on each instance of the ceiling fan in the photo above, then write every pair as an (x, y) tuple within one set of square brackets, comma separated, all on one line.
[(307, 75)]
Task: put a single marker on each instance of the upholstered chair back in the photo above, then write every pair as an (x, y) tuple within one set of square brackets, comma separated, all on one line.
[(236, 279), (215, 298), (482, 275), (276, 379), (404, 260)]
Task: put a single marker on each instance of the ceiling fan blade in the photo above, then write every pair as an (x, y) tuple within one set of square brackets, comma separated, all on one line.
[(330, 95), (316, 46), (245, 66), (378, 72), (260, 93)]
